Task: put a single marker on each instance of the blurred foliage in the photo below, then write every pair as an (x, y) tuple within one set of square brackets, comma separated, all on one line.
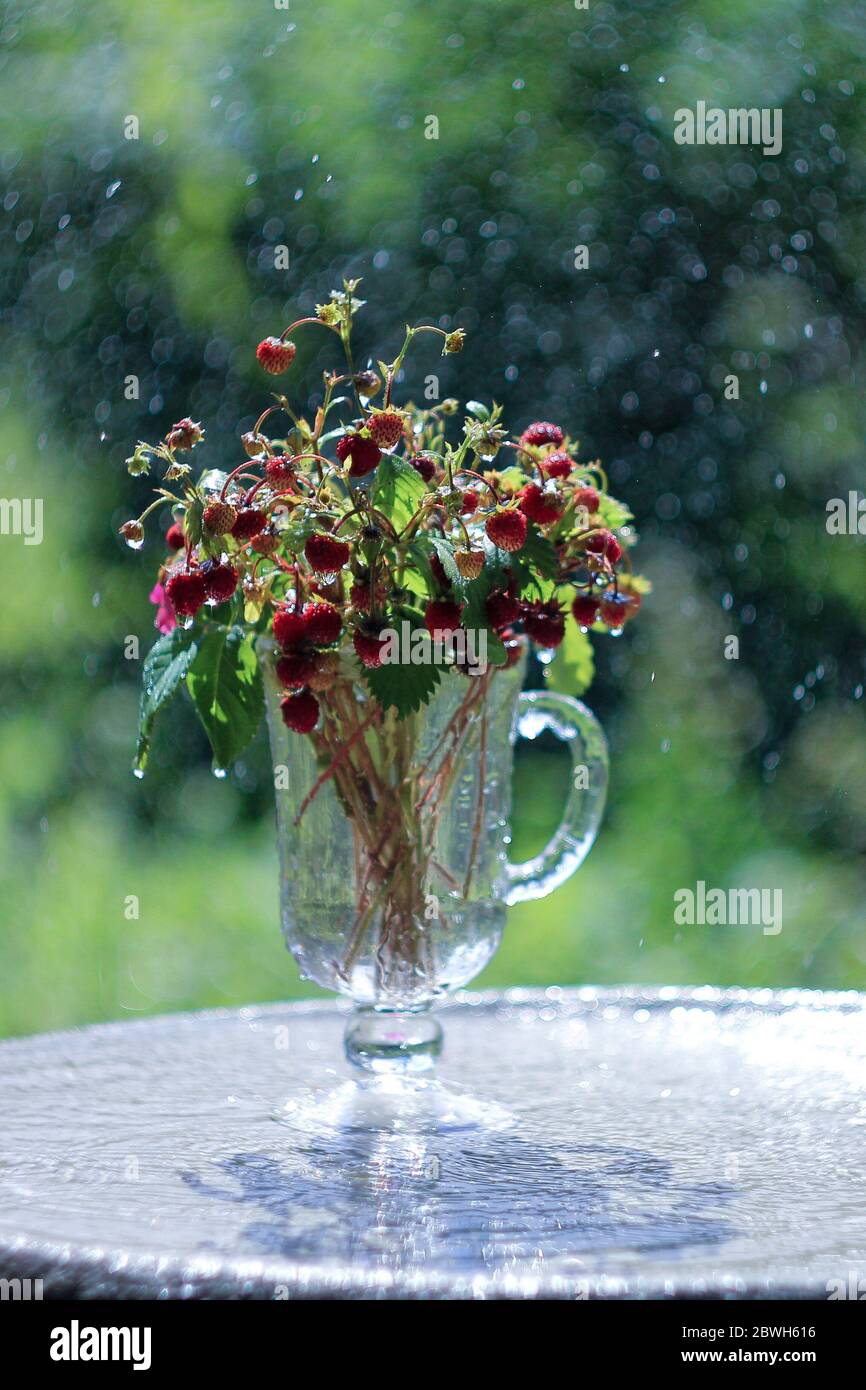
[(261, 127)]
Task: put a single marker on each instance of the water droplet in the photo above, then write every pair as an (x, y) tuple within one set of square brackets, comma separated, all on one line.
[(763, 388), (219, 772), (624, 67), (134, 544), (138, 772), (315, 159)]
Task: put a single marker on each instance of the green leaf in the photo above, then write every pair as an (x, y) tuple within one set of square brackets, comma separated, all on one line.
[(193, 524), (573, 667), (445, 550), (225, 683), (614, 514), (474, 615), (537, 554), (398, 490), (165, 666), (405, 688)]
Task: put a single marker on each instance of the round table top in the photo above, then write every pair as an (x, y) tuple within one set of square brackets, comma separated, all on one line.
[(629, 1142)]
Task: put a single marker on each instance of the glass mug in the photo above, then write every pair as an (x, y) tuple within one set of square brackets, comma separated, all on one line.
[(393, 843)]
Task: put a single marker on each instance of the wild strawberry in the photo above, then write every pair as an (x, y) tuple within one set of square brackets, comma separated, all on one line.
[(364, 454), (174, 537), (540, 506), (326, 554), (280, 470), (185, 434), (295, 669), (368, 647), (265, 543), (219, 518), (502, 609), (588, 498), (133, 534), (442, 617), (253, 444), (275, 355), (326, 673), (542, 432), (250, 521), (425, 465), (439, 574), (300, 712), (324, 624), (290, 627), (604, 543), (507, 529), (220, 581), (544, 622), (470, 502), (469, 562), (186, 592), (557, 465), (386, 427), (514, 644), (368, 384), (585, 610), (615, 611)]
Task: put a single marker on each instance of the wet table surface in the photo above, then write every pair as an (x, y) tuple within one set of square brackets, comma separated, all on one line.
[(603, 1143)]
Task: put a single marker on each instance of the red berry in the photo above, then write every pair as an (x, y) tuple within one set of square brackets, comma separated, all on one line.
[(359, 595), (290, 627), (295, 669), (557, 465), (300, 712), (275, 355), (615, 611), (542, 432), (326, 554), (544, 622), (503, 609), (185, 434), (587, 497), (439, 574), (368, 646), (441, 617), (265, 543), (507, 529), (186, 592), (364, 454), (425, 465), (219, 518), (386, 427), (250, 522), (324, 624), (584, 610), (514, 644), (220, 582), (470, 502), (174, 537), (280, 470), (605, 543), (540, 506)]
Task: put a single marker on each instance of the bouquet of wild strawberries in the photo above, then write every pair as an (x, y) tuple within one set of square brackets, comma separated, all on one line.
[(365, 532)]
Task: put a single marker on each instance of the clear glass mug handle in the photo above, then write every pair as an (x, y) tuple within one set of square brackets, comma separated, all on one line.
[(538, 711)]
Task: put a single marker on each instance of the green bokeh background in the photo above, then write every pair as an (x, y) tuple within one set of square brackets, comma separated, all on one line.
[(261, 126)]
